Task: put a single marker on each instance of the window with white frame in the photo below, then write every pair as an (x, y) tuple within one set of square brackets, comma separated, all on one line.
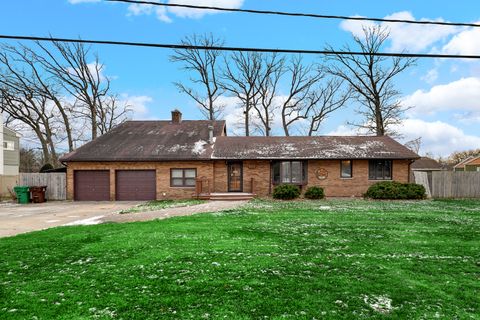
[(8, 145)]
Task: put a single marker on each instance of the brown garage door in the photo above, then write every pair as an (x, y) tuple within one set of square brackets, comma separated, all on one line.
[(136, 185), (92, 185)]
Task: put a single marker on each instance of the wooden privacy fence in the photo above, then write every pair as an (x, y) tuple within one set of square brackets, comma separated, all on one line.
[(447, 184), (56, 183)]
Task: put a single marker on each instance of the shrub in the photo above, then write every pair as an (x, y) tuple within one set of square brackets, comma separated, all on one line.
[(314, 193), (393, 190), (45, 167), (286, 192)]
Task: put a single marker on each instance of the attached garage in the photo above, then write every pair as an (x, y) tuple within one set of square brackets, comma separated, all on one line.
[(135, 185), (92, 185)]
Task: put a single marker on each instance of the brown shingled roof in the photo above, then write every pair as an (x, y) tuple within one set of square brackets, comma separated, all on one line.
[(426, 163), (320, 147), (188, 140), (151, 141)]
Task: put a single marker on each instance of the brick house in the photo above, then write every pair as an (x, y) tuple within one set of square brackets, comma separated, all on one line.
[(469, 164), (144, 160)]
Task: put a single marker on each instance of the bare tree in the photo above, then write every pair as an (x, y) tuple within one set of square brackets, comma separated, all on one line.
[(21, 103), (204, 65), (414, 144), (302, 79), (56, 95), (240, 77), (39, 82), (371, 78), (30, 160), (112, 113), (323, 101), (267, 89), (84, 81), (245, 75)]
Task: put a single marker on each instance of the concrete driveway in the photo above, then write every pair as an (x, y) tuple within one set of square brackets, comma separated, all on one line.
[(15, 218)]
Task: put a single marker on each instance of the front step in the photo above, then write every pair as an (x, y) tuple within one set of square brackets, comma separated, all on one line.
[(230, 196)]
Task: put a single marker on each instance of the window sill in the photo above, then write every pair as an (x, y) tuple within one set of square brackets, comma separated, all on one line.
[(351, 178), (295, 184), (171, 187), (380, 179)]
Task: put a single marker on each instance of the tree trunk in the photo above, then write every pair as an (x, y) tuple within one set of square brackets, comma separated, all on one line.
[(93, 122), (380, 130), (66, 123), (247, 118)]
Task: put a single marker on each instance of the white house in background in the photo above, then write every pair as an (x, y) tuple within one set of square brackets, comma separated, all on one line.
[(10, 147), (1, 144), (9, 159)]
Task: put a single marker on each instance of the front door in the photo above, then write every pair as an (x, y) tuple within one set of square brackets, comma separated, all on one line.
[(235, 177)]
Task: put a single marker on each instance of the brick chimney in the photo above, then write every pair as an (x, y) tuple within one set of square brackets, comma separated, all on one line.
[(176, 116)]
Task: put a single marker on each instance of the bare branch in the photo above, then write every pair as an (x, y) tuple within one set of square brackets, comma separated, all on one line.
[(204, 65), (371, 79)]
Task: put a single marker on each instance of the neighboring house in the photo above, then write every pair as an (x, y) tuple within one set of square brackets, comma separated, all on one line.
[(11, 152), (144, 160), (427, 165), (469, 164), (9, 159)]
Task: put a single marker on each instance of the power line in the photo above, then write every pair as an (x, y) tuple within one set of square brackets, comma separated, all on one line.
[(298, 14), (240, 49)]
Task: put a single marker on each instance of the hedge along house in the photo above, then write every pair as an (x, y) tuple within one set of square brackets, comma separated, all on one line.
[(147, 160)]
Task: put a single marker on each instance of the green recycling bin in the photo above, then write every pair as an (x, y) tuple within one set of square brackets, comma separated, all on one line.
[(23, 194)]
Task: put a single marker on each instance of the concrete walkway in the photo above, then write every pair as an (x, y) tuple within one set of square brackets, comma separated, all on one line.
[(211, 206), (16, 218)]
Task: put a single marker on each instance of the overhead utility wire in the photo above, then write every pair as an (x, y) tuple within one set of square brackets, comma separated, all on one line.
[(298, 14), (239, 49)]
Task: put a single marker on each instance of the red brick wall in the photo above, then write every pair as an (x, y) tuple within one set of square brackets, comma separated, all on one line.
[(335, 186), (259, 170), (164, 191)]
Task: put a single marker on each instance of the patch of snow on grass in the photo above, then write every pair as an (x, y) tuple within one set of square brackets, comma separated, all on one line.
[(325, 208), (381, 304), (86, 222)]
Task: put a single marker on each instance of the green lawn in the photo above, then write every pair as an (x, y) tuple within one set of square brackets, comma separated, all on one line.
[(271, 260), (162, 204)]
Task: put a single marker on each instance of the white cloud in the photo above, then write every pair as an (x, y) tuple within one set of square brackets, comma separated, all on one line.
[(466, 42), (414, 37), (137, 104), (162, 12), (438, 138), (460, 95), (346, 130), (139, 9), (431, 76), (411, 37), (195, 13), (356, 26)]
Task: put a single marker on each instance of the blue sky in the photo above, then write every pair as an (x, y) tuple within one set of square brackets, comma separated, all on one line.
[(445, 95)]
